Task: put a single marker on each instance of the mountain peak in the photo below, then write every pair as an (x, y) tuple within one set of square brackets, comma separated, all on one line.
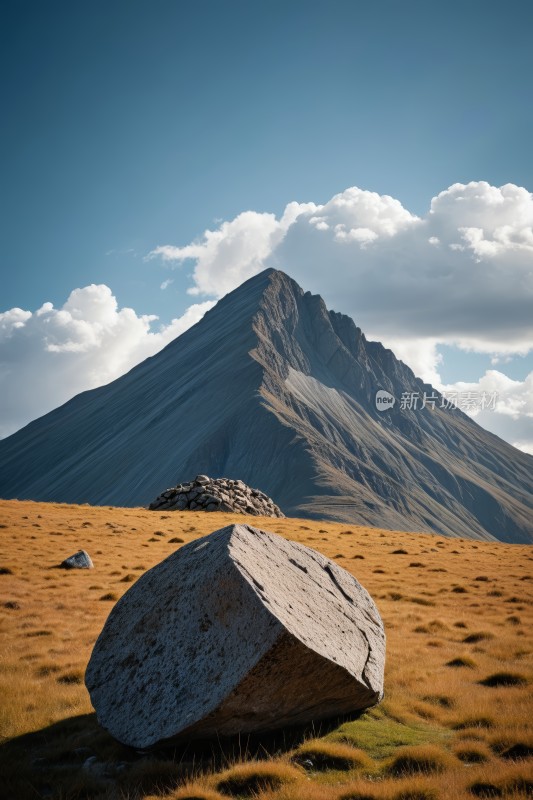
[(272, 388)]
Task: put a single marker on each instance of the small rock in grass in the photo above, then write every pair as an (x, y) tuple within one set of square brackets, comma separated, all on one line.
[(80, 560)]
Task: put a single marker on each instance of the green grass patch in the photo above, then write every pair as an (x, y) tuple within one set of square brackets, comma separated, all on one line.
[(380, 736)]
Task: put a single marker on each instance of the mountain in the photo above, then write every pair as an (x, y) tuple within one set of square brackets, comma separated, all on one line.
[(272, 388)]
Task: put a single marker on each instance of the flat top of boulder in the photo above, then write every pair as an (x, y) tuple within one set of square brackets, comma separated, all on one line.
[(317, 601)]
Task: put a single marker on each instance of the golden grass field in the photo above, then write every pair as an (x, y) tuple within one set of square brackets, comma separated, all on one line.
[(456, 722)]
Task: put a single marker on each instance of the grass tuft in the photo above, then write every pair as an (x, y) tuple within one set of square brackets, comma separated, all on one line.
[(481, 636), (504, 679), (319, 754), (441, 700), (74, 676), (474, 721), (417, 794), (472, 752), (485, 789), (461, 661), (109, 596), (256, 776), (513, 749), (425, 760)]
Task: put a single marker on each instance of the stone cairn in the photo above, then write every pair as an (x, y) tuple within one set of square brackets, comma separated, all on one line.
[(216, 494)]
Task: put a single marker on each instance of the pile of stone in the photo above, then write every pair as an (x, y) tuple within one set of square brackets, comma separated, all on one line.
[(216, 494), (237, 632)]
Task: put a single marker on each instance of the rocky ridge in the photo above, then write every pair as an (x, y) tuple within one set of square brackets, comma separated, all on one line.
[(216, 494)]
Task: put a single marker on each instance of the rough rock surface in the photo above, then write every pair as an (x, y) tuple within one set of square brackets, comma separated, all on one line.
[(80, 560), (216, 494), (239, 631)]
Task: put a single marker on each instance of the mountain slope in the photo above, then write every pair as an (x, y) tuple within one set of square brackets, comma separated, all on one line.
[(273, 388)]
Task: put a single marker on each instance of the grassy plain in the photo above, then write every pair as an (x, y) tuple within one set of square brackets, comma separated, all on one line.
[(456, 722)]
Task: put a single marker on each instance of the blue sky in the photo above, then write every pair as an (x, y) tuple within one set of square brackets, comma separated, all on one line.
[(132, 125)]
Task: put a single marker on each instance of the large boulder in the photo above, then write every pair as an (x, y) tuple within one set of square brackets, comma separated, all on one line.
[(216, 494), (236, 632)]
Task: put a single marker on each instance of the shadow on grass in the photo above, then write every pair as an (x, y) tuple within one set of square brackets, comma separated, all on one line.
[(76, 758)]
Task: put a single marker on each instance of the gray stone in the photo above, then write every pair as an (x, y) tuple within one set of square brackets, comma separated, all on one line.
[(237, 632), (80, 560)]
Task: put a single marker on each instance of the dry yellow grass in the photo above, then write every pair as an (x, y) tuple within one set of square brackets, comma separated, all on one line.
[(323, 754), (457, 614)]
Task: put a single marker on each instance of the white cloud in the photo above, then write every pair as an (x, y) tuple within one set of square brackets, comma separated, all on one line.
[(488, 219), (166, 283), (235, 251), (512, 415), (420, 354), (11, 320), (460, 275), (48, 356)]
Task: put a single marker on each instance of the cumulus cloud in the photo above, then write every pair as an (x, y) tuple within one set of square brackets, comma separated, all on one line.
[(462, 274), (421, 355), (510, 416), (235, 251), (48, 356)]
